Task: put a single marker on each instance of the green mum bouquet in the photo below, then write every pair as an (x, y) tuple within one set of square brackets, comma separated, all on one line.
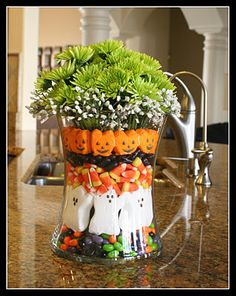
[(105, 86)]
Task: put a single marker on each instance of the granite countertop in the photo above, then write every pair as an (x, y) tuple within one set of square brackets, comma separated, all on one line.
[(193, 222)]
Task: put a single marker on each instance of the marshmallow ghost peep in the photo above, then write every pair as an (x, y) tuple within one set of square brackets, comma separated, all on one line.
[(77, 208)]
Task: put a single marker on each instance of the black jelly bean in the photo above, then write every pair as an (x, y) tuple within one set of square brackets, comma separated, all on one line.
[(98, 251), (98, 159), (151, 158), (88, 240), (88, 250), (114, 157), (111, 166), (87, 158), (145, 161), (152, 234), (125, 159), (97, 239), (69, 232), (136, 153), (82, 242), (140, 252), (93, 160), (103, 254), (72, 250), (141, 154), (61, 238), (105, 162), (105, 241)]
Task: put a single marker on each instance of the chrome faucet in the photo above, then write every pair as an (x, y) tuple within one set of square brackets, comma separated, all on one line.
[(184, 128), (199, 158)]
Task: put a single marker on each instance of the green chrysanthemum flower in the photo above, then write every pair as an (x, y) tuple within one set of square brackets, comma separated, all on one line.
[(105, 86), (118, 55), (147, 60), (162, 80), (132, 65), (106, 47), (87, 77), (81, 54), (64, 72), (138, 88), (42, 83), (112, 80), (63, 93)]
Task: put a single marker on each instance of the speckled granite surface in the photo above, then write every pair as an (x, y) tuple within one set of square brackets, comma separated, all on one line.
[(195, 247)]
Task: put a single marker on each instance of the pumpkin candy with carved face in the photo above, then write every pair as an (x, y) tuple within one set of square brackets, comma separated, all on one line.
[(66, 137), (148, 140), (126, 142), (80, 141), (102, 142)]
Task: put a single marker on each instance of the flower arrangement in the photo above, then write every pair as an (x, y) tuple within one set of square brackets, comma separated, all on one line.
[(105, 86)]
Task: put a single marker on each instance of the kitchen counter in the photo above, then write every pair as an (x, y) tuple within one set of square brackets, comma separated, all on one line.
[(193, 222)]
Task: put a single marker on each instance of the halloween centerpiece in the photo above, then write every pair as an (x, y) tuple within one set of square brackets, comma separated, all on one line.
[(111, 104)]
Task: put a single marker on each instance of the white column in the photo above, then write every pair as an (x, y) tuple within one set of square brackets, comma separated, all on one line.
[(28, 67), (212, 23), (215, 51), (95, 25)]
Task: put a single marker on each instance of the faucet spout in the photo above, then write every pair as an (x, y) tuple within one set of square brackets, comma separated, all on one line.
[(184, 128)]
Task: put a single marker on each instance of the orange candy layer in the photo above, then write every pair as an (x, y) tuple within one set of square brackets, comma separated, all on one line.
[(122, 178), (104, 143)]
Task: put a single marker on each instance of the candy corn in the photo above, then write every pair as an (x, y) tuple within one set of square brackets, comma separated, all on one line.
[(79, 169), (129, 187), (142, 178), (116, 187), (76, 182), (117, 171), (123, 180), (131, 174), (130, 167), (100, 170), (102, 189), (138, 163), (86, 187), (106, 179), (85, 173), (89, 165), (95, 178)]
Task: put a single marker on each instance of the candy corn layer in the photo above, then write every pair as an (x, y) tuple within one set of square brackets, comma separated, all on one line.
[(123, 178)]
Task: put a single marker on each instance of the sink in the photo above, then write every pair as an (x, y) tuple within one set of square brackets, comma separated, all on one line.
[(47, 172), (42, 181)]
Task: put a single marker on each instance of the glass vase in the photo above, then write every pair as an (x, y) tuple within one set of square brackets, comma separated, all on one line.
[(107, 213)]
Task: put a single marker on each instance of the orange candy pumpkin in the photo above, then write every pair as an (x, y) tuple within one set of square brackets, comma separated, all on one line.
[(80, 141), (126, 142), (102, 142), (66, 137), (148, 140)]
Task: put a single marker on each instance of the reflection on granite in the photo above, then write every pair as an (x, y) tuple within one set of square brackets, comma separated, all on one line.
[(193, 223)]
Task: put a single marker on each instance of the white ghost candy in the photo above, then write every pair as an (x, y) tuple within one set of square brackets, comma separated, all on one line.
[(105, 218), (137, 210), (77, 208)]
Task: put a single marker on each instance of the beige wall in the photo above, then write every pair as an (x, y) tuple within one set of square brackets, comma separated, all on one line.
[(59, 26), (153, 38), (15, 26)]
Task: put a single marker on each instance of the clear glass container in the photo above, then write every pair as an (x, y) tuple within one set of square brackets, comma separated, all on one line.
[(107, 213)]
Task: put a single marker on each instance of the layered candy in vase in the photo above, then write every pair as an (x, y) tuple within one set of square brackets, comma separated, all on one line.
[(108, 202)]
